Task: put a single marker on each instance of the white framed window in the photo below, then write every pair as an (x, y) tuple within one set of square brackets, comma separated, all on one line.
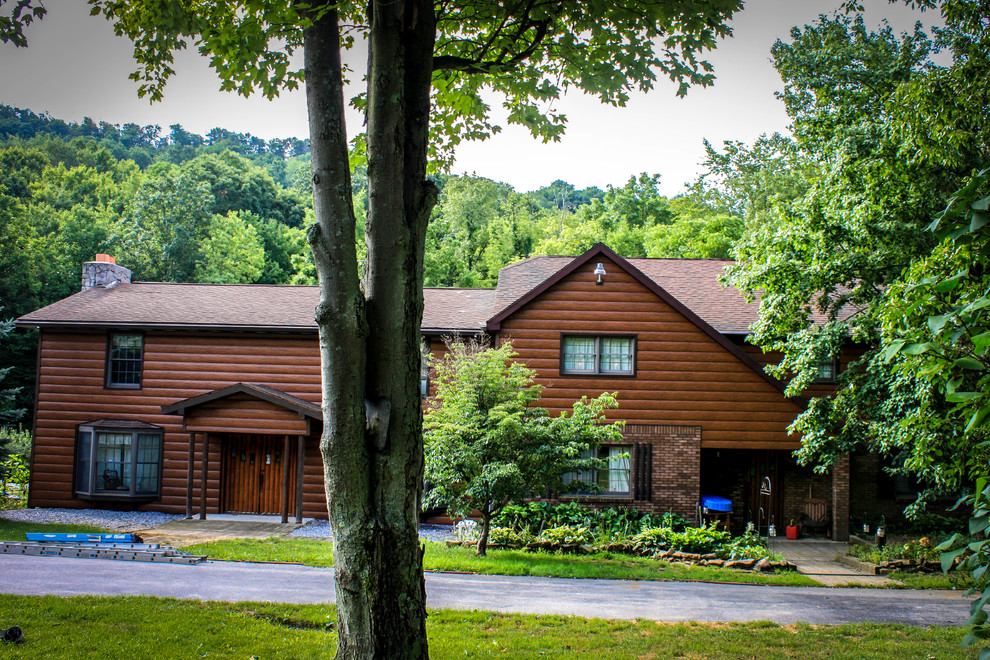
[(614, 479), (598, 354), (424, 367), (125, 361)]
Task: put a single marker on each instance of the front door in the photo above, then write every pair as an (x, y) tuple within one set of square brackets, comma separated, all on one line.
[(253, 466), (763, 489)]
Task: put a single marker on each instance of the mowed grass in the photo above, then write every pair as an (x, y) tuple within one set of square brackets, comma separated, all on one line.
[(954, 580), (143, 627), (14, 530), (439, 557)]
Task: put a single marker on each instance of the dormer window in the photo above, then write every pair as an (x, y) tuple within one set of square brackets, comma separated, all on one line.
[(125, 361), (598, 355), (827, 370)]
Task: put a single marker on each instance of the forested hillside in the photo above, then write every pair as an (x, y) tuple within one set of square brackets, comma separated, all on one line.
[(232, 208)]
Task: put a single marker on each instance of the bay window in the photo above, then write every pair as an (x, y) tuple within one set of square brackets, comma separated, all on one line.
[(118, 459)]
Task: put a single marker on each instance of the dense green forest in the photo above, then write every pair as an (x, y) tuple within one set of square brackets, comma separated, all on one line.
[(232, 208)]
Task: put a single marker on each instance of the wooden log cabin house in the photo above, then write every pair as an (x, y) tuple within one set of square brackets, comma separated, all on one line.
[(203, 398)]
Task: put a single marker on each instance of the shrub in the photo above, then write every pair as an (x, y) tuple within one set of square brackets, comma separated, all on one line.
[(616, 524), (670, 520), (566, 535), (15, 448), (653, 539), (506, 536), (929, 524), (699, 540), (920, 550), (747, 546)]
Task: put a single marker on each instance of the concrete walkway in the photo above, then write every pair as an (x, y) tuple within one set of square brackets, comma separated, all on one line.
[(214, 528), (816, 559)]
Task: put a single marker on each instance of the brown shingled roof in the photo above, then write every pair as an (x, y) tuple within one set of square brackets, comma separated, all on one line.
[(237, 306), (693, 282), (464, 310), (154, 304)]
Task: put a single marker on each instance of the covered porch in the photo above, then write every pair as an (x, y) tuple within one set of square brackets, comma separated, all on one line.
[(258, 436)]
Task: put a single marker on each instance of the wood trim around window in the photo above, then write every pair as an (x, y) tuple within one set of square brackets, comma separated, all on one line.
[(107, 385), (134, 427), (835, 372), (597, 373)]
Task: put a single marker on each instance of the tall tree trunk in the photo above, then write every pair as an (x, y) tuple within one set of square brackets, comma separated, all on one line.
[(372, 439)]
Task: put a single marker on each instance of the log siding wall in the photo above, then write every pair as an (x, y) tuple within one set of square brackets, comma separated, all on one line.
[(688, 391), (683, 376), (176, 366)]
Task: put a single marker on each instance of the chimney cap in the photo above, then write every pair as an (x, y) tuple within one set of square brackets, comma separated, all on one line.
[(105, 258)]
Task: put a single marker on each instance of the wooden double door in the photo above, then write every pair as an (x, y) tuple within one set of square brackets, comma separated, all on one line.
[(253, 470)]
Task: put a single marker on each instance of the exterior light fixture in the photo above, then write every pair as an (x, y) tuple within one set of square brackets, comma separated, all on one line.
[(600, 274)]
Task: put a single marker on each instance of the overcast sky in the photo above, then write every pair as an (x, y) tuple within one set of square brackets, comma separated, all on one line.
[(75, 67)]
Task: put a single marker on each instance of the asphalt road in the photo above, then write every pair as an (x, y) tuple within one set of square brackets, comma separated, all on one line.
[(616, 599)]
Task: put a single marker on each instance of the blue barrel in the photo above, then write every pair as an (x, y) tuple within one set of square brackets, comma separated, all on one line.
[(713, 504)]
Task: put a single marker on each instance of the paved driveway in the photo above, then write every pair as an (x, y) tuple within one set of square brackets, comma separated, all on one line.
[(620, 599)]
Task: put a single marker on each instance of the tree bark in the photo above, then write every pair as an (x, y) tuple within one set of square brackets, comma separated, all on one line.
[(369, 340), (486, 523)]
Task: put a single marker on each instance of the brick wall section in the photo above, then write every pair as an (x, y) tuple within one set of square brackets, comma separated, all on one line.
[(840, 498), (676, 471), (676, 478), (798, 482)]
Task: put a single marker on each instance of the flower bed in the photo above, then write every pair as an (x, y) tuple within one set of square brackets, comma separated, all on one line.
[(573, 529)]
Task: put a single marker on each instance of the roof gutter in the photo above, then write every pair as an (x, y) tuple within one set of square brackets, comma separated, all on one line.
[(214, 327)]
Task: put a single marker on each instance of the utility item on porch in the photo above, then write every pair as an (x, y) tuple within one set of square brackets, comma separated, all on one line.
[(816, 517), (717, 509), (791, 531), (881, 538), (713, 504)]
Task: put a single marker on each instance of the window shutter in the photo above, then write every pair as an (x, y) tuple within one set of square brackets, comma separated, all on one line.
[(642, 471)]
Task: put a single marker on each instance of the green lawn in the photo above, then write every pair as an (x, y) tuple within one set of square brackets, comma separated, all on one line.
[(144, 627), (12, 530), (439, 557), (954, 580)]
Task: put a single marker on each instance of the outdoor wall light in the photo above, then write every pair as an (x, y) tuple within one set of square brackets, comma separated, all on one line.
[(600, 274)]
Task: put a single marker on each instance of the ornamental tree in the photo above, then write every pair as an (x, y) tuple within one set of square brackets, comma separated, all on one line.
[(488, 443), (428, 64)]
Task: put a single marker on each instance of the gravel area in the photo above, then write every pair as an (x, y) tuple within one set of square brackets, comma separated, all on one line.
[(124, 521), (321, 529)]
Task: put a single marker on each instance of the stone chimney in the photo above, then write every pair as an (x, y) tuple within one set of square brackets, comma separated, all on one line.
[(104, 271)]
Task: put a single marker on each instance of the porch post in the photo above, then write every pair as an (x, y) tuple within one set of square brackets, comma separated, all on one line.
[(202, 476), (840, 498), (190, 475), (285, 479), (300, 465)]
